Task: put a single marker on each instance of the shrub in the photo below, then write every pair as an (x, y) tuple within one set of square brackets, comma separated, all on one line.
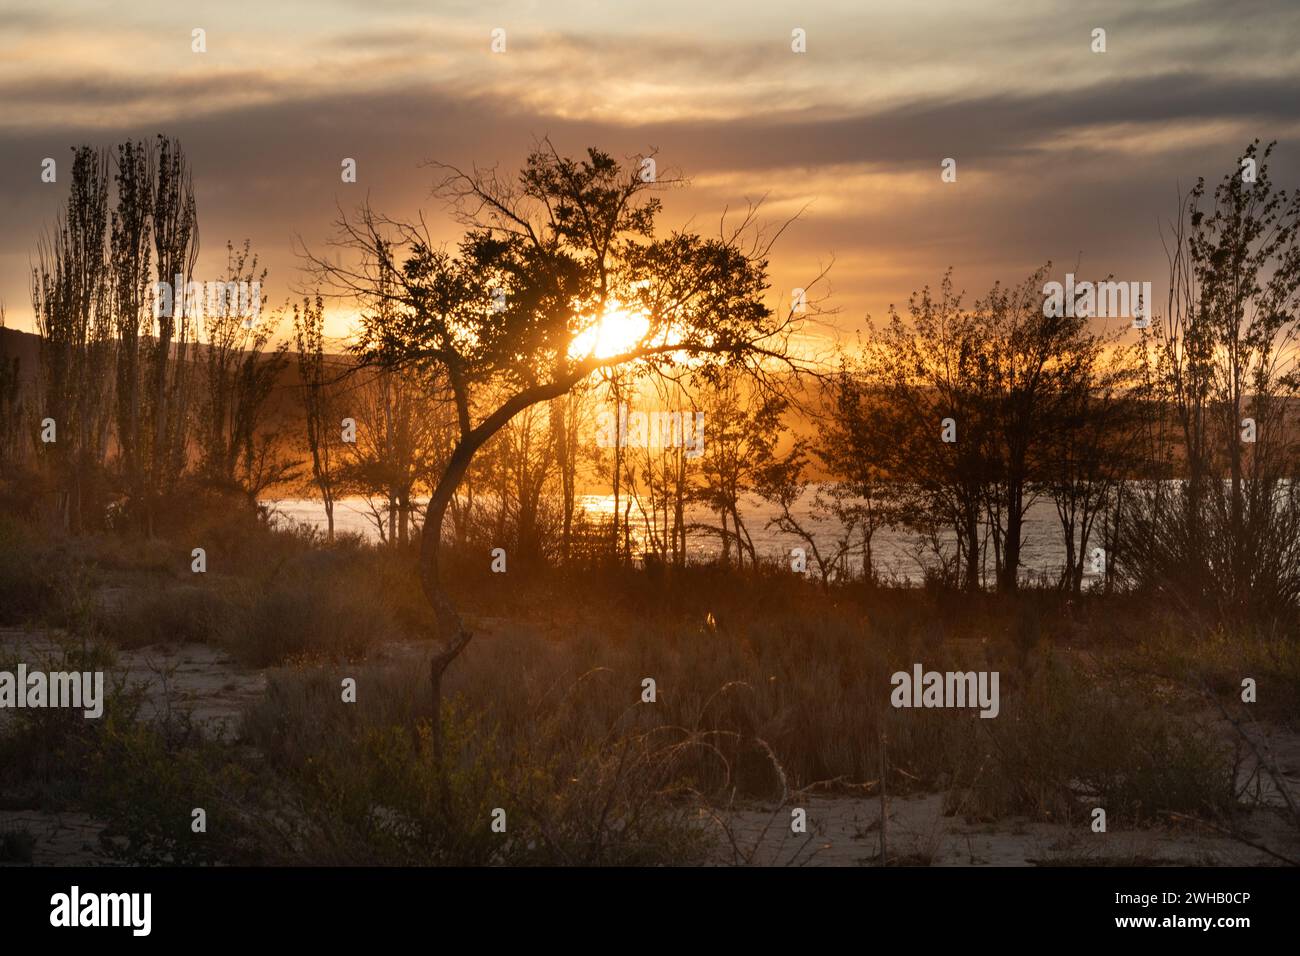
[(27, 581)]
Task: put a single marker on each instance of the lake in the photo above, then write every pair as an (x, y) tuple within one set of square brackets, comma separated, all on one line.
[(894, 552)]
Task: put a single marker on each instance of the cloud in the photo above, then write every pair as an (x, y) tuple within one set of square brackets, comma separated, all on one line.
[(1059, 151)]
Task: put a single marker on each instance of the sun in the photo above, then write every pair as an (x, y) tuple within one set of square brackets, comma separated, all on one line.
[(618, 331)]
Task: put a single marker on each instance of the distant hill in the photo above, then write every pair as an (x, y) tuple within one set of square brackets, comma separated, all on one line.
[(26, 347), (21, 345), (284, 411)]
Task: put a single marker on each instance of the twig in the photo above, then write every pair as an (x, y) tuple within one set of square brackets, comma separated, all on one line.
[(1236, 836), (1263, 761), (884, 804)]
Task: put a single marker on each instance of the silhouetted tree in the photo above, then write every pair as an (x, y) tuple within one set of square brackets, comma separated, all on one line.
[(744, 426), (71, 300), (856, 439), (319, 414), (168, 369), (131, 257), (545, 255), (237, 449), (1225, 538)]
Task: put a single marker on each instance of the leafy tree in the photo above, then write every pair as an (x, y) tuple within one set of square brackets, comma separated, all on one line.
[(545, 255), (964, 407), (1029, 367), (168, 369), (855, 441), (1090, 453), (744, 426), (924, 369), (237, 452), (319, 413), (71, 300), (1226, 538)]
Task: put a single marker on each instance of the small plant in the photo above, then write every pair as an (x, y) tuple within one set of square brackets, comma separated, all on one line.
[(16, 845)]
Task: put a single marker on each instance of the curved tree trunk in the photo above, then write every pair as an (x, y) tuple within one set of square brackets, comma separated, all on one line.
[(451, 629)]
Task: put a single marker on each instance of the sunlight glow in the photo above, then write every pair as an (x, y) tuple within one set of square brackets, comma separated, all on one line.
[(618, 331)]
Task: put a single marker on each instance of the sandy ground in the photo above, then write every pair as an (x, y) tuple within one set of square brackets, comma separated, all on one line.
[(846, 832), (841, 831), (195, 677)]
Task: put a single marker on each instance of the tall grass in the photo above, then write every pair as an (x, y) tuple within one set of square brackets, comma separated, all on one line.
[(766, 687)]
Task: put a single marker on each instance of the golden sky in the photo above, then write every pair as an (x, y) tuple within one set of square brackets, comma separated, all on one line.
[(1062, 153)]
